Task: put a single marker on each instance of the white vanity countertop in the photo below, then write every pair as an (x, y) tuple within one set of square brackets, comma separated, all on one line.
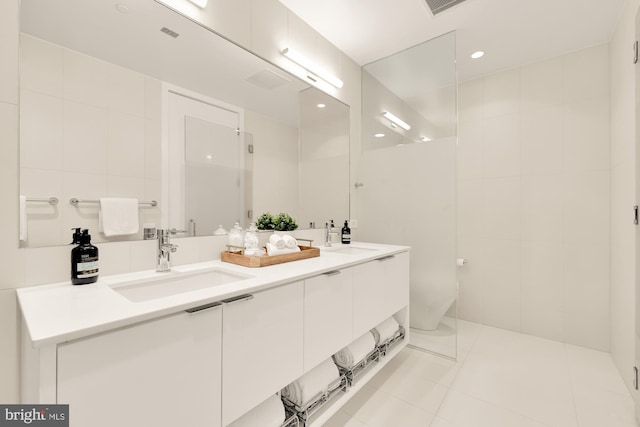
[(61, 311)]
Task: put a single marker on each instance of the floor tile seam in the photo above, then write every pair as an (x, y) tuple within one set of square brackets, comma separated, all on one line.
[(573, 391), (420, 407), (501, 407), (397, 398)]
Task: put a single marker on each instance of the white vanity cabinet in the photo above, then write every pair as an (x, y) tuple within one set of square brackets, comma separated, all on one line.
[(158, 373), (328, 315), (380, 289), (262, 347)]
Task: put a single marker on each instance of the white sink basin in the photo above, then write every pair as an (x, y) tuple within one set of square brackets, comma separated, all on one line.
[(349, 250), (162, 285)]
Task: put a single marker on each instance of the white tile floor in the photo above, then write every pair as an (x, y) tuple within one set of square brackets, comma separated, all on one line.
[(501, 379)]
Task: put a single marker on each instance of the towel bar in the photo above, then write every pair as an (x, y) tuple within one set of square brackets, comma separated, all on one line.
[(74, 201), (51, 200)]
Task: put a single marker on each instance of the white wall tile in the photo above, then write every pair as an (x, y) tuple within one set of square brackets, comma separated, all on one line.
[(502, 93), (586, 73), (41, 66), (48, 264), (126, 145), (542, 149), (501, 208), (469, 154), (469, 206), (586, 206), (152, 156), (126, 90), (114, 258), (502, 284), (543, 274), (587, 331), (542, 84), (9, 36), (471, 292), (542, 208), (143, 255), (586, 134), (85, 79), (41, 131), (587, 279), (85, 138), (471, 101), (152, 98), (543, 322), (501, 146)]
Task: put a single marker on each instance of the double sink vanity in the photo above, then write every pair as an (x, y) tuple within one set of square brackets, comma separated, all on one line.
[(204, 343)]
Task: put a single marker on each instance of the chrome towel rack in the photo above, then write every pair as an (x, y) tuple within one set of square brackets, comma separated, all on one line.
[(51, 200), (75, 202)]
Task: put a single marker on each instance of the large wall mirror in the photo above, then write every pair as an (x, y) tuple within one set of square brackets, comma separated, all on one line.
[(130, 99)]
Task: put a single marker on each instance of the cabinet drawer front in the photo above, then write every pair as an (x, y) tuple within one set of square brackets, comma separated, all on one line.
[(153, 373), (262, 347), (328, 316)]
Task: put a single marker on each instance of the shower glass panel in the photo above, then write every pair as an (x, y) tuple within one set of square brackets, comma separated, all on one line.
[(406, 188)]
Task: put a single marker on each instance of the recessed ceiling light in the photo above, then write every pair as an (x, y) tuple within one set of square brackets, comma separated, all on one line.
[(321, 105), (122, 8), (209, 157), (379, 135), (478, 54), (425, 139)]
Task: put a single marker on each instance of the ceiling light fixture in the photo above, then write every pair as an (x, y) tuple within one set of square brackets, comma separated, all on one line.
[(395, 120), (312, 68), (478, 54), (379, 135), (425, 139), (321, 105)]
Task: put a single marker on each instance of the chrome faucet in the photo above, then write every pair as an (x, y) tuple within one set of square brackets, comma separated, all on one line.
[(165, 248), (329, 230)]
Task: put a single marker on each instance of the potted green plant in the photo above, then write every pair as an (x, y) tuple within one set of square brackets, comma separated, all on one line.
[(281, 222)]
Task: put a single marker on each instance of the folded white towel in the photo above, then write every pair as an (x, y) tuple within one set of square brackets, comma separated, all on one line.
[(23, 219), (303, 390), (355, 352), (385, 330), (118, 216), (272, 250), (289, 241), (269, 413), (277, 241)]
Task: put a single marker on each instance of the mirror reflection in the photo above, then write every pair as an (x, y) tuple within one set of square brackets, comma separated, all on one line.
[(97, 114)]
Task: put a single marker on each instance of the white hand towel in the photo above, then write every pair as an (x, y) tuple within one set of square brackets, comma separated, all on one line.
[(272, 250), (352, 354), (303, 390), (277, 241), (23, 219), (385, 330), (269, 413), (289, 241), (118, 217)]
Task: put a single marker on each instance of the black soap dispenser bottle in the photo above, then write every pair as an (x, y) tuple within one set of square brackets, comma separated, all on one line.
[(84, 259), (346, 233)]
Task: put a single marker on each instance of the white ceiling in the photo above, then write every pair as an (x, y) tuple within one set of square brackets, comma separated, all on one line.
[(511, 32)]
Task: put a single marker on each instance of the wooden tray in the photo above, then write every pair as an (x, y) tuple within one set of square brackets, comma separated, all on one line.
[(263, 261)]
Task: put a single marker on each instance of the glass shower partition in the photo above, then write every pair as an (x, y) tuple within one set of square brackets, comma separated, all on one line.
[(406, 185)]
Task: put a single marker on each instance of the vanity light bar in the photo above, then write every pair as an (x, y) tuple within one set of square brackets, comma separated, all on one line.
[(308, 65), (395, 120)]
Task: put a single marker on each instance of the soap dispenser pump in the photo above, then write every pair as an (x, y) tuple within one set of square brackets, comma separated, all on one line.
[(84, 259), (346, 233)]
